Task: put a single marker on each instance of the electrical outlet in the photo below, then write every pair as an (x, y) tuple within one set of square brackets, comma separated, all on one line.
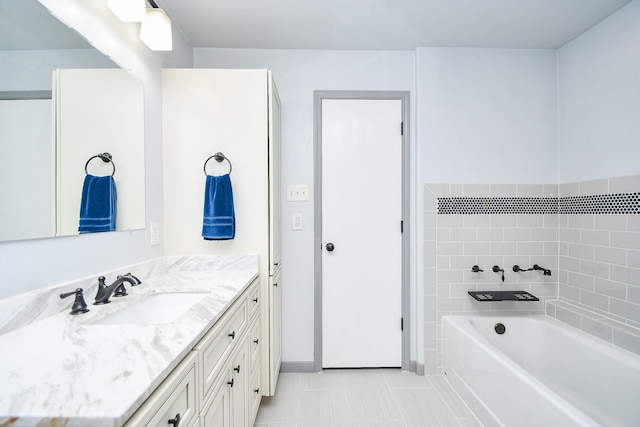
[(155, 233), (296, 221)]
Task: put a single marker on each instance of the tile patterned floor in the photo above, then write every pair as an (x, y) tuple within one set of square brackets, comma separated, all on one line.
[(363, 398)]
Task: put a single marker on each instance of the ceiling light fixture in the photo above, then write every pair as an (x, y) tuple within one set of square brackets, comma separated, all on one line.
[(128, 10), (155, 30)]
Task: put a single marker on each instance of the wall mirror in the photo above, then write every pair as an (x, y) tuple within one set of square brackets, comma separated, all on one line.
[(61, 103)]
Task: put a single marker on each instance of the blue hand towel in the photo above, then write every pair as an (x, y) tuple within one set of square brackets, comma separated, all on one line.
[(219, 221), (98, 205)]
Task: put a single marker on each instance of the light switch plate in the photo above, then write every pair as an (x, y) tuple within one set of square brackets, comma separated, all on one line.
[(297, 193)]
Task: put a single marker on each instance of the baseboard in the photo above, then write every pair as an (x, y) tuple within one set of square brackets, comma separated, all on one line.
[(297, 367), (309, 367), (416, 367)]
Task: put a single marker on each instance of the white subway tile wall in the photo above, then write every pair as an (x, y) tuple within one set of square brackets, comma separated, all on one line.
[(592, 247)]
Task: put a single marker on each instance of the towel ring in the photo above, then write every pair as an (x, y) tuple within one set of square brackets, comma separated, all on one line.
[(219, 158), (105, 157)]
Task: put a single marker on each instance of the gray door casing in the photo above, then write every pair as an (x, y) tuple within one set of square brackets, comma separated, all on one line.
[(319, 96)]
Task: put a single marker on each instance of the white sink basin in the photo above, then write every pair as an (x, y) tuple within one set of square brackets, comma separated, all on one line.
[(155, 309)]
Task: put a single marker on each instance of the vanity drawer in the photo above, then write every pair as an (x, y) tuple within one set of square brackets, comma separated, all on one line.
[(176, 397), (216, 345), (254, 300)]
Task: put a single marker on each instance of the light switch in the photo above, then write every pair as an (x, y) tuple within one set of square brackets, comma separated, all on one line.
[(303, 193), (291, 193), (296, 221)]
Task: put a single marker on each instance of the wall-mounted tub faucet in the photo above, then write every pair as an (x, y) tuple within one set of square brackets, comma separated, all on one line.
[(517, 269), (476, 269), (545, 271), (497, 269)]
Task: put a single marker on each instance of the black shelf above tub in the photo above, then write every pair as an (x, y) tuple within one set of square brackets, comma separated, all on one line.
[(484, 296)]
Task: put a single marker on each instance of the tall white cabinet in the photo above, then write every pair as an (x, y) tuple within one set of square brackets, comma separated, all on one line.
[(236, 112)]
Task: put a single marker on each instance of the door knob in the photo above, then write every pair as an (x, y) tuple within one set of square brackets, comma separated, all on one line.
[(330, 247)]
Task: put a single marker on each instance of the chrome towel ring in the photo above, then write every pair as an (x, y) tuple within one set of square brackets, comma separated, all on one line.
[(219, 158), (105, 157)]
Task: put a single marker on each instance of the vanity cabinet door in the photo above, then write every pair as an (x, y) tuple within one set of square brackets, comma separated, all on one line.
[(275, 220), (254, 396), (275, 330), (227, 406), (175, 399), (217, 410), (239, 399)]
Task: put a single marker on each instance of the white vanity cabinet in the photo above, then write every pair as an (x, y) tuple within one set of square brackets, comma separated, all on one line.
[(175, 399), (212, 386), (236, 112)]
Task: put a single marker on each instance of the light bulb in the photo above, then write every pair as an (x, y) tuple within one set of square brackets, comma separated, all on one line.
[(155, 30), (128, 10)]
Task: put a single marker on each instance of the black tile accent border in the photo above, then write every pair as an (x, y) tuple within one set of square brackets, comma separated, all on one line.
[(620, 203), (497, 205)]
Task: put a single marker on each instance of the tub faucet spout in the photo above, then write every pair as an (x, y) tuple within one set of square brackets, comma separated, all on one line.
[(545, 271)]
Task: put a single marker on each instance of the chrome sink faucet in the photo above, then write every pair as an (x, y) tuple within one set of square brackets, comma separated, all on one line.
[(116, 288)]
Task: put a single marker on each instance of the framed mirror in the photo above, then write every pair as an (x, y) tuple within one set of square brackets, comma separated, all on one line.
[(61, 103)]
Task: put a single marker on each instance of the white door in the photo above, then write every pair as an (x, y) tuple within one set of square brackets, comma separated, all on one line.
[(361, 218)]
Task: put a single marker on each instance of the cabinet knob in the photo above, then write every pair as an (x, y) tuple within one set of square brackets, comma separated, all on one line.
[(255, 300), (237, 369), (230, 382), (256, 341), (256, 391), (175, 421), (232, 335), (330, 247)]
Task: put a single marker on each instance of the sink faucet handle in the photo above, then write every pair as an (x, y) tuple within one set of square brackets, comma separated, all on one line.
[(79, 305), (102, 287)]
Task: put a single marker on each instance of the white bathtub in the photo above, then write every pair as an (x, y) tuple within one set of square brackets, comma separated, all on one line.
[(539, 373)]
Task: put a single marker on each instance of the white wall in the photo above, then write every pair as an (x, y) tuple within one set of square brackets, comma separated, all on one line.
[(599, 93), (31, 69), (297, 74), (34, 264), (487, 115)]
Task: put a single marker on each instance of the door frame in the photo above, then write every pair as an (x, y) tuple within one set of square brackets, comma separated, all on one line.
[(318, 97)]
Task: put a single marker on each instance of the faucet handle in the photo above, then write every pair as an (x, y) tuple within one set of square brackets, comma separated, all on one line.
[(101, 288), (79, 305)]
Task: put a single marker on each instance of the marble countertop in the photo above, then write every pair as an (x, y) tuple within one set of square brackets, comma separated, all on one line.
[(66, 370)]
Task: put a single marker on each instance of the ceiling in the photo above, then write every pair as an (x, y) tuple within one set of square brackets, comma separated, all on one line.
[(386, 24)]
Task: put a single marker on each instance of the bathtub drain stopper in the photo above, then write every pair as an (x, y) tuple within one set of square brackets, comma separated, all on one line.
[(499, 328)]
